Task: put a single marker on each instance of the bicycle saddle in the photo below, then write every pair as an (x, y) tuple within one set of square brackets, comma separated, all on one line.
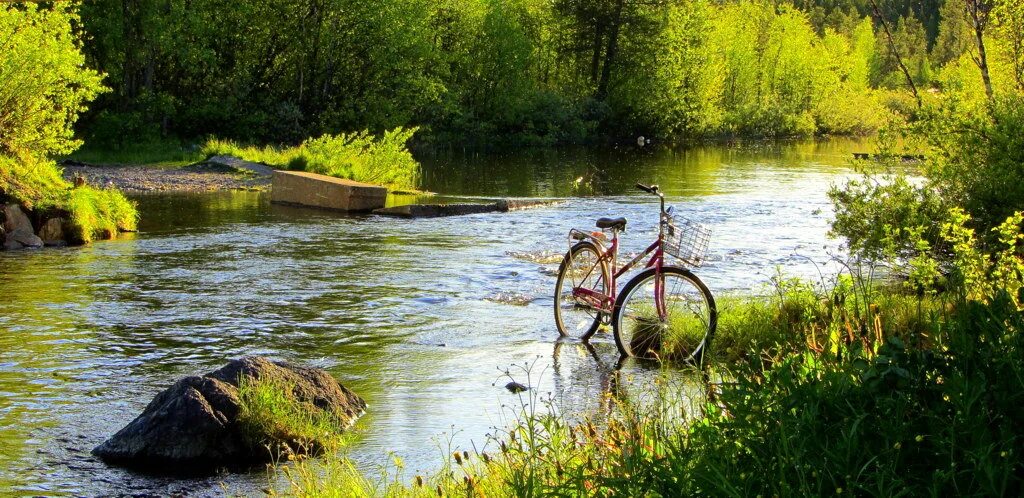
[(614, 223)]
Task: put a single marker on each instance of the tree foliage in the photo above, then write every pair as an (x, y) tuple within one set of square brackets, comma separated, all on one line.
[(482, 71), (45, 83)]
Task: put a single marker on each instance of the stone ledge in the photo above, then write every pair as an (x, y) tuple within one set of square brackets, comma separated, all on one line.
[(438, 210)]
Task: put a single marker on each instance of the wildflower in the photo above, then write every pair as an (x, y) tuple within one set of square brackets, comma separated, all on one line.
[(919, 438)]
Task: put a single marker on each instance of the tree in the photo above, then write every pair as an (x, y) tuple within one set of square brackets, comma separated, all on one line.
[(45, 81)]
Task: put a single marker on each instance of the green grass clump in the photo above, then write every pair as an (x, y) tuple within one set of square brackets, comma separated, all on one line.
[(362, 157), (270, 415), (38, 185), (160, 154), (100, 213)]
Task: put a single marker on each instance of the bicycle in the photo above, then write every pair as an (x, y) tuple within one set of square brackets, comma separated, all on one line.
[(664, 311)]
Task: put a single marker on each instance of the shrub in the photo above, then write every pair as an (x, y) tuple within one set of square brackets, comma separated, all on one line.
[(356, 156), (45, 84)]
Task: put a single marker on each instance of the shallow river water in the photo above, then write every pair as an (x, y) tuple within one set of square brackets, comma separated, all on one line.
[(417, 316)]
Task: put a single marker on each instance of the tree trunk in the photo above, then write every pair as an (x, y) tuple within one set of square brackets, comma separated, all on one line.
[(595, 61), (979, 18), (609, 55), (896, 53)]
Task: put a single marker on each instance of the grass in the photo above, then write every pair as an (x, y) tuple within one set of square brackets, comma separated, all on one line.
[(271, 416), (93, 213), (851, 391), (383, 160), (167, 154)]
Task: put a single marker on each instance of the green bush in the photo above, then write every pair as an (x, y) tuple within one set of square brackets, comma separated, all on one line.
[(357, 156), (45, 84)]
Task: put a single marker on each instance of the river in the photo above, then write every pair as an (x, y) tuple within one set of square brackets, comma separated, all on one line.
[(417, 316)]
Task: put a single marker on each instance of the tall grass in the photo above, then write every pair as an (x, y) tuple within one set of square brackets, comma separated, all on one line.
[(93, 213), (359, 156), (860, 390), (150, 153)]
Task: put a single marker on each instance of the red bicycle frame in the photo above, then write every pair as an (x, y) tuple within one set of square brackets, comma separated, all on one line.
[(606, 302)]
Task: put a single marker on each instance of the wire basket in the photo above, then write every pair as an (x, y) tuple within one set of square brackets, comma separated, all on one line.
[(686, 240)]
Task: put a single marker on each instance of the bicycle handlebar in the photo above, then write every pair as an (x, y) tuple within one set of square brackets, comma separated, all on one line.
[(653, 189)]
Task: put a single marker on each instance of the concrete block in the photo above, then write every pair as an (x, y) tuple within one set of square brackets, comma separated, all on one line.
[(325, 192)]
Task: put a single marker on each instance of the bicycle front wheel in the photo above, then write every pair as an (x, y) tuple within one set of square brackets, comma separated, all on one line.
[(670, 315), (580, 291)]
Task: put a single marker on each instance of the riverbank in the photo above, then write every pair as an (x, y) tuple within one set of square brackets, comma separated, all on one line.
[(848, 403), (205, 176)]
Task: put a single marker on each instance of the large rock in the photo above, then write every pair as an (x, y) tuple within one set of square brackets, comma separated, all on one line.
[(193, 425), (14, 218), (22, 238), (52, 232), (325, 192)]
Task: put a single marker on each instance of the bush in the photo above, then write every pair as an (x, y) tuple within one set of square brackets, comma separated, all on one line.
[(357, 156), (45, 84)]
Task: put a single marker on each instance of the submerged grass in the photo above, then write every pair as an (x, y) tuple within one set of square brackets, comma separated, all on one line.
[(359, 156), (93, 213)]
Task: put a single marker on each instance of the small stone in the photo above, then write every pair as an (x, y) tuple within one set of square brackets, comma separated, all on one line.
[(515, 387)]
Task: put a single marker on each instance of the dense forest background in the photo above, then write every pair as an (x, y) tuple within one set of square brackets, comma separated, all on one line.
[(537, 72)]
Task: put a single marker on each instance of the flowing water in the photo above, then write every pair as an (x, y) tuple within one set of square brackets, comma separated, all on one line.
[(417, 316)]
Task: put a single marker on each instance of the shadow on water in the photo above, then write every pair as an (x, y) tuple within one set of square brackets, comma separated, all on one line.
[(415, 315)]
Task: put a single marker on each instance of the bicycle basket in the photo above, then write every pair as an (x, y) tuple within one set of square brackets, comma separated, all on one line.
[(687, 240)]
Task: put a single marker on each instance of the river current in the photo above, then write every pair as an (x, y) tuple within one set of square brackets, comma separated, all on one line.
[(419, 317)]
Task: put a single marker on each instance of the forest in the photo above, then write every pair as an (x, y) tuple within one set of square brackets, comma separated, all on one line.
[(528, 72)]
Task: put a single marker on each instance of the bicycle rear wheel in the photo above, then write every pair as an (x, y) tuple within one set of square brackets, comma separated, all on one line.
[(581, 286), (682, 331)]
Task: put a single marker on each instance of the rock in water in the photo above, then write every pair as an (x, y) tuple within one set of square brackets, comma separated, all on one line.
[(52, 232), (192, 426), (14, 218), (515, 387), (21, 238), (18, 228)]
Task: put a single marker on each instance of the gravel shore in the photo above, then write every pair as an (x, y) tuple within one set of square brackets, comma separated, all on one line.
[(225, 174)]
